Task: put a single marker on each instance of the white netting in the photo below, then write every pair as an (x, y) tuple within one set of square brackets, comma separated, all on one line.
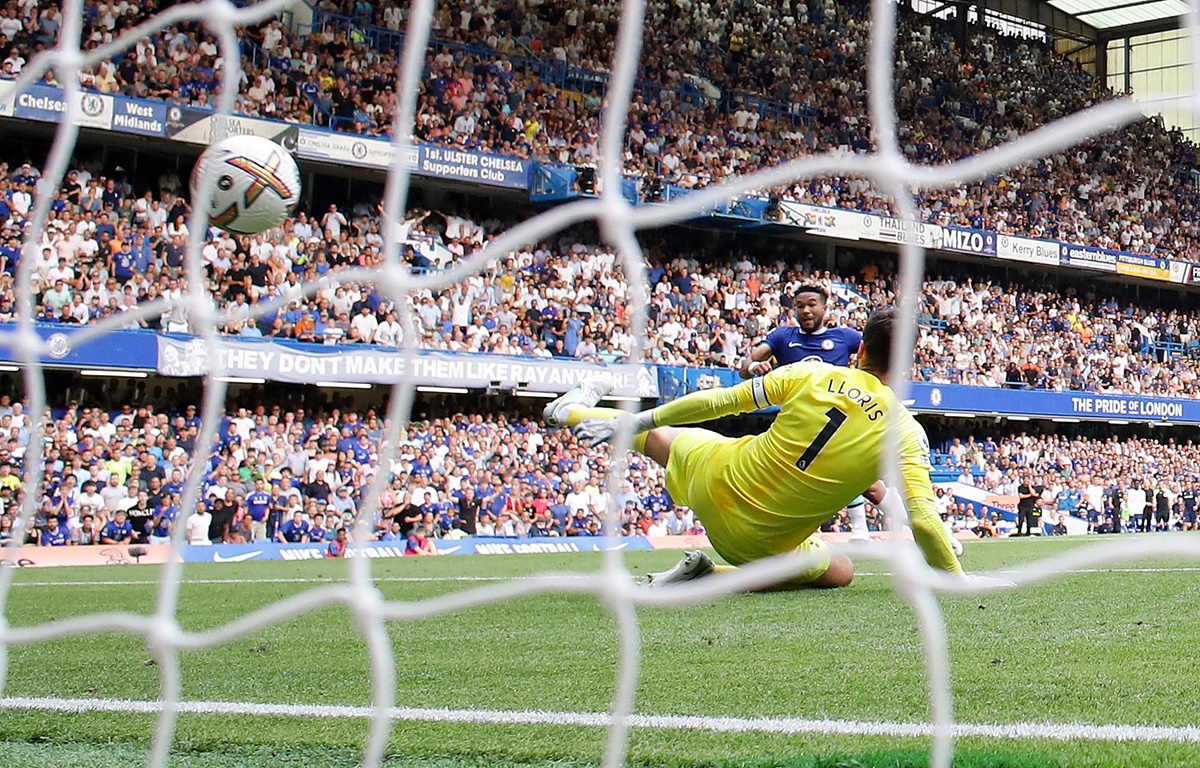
[(613, 587)]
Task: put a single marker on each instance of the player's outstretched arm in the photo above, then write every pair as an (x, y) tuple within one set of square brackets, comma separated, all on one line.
[(927, 527), (931, 536), (709, 404), (600, 425), (758, 362)]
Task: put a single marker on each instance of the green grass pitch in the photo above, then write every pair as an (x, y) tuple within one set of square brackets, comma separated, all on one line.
[(1111, 647)]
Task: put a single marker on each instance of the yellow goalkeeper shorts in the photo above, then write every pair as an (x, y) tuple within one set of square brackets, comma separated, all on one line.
[(738, 530)]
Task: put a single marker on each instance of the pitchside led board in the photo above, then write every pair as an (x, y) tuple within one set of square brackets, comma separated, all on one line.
[(155, 554)]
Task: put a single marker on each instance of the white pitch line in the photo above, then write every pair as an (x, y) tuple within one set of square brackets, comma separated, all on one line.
[(296, 580), (418, 579), (781, 725), (1181, 569)]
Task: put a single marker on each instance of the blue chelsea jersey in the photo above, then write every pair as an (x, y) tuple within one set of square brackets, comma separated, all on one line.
[(790, 345)]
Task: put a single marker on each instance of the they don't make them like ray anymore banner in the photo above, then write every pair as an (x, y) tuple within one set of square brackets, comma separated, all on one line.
[(312, 363)]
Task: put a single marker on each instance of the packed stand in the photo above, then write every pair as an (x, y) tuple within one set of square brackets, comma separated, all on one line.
[(700, 113), (109, 250), (299, 477), (1116, 484), (753, 85)]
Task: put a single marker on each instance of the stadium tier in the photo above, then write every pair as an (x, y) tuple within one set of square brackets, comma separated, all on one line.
[(112, 249), (300, 475)]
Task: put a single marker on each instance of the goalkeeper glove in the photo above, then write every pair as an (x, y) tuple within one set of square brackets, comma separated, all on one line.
[(595, 431)]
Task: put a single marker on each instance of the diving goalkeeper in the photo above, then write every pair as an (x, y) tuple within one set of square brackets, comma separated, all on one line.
[(768, 494)]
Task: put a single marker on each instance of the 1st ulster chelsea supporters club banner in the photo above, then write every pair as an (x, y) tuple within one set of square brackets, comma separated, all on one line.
[(303, 363)]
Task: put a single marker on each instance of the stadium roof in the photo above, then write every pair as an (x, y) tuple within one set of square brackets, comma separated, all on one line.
[(1106, 14)]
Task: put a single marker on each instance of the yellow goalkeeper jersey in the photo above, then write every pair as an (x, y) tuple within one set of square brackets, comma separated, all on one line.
[(824, 448)]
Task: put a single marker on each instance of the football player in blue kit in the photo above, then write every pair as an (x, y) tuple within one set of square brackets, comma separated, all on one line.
[(810, 339)]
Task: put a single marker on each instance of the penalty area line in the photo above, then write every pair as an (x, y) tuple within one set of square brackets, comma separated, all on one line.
[(295, 580), (780, 725)]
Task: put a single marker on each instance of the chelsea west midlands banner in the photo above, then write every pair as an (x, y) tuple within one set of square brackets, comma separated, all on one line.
[(302, 363), (140, 116), (40, 102)]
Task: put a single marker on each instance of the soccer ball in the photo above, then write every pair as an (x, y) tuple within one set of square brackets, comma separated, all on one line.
[(255, 184)]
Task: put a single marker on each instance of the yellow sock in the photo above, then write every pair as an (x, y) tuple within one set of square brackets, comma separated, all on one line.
[(577, 413)]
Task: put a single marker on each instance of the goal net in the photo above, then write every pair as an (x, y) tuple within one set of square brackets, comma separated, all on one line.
[(886, 166)]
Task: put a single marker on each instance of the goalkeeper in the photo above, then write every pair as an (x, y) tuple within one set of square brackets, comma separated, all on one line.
[(768, 494)]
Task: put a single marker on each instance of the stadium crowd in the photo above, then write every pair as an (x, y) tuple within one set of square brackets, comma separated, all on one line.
[(108, 250), (753, 85), (1116, 484), (299, 476)]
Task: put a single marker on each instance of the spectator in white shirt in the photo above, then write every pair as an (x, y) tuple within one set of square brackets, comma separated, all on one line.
[(198, 525), (364, 325), (389, 333)]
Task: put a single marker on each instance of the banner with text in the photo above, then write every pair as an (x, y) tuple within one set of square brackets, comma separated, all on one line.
[(830, 222), (1028, 250), (157, 554), (68, 346), (981, 401), (386, 550), (140, 116), (302, 363), (450, 163), (677, 380), (1089, 258), (314, 144), (41, 102), (100, 554), (8, 92), (200, 126), (974, 241), (1137, 265), (903, 231), (424, 159)]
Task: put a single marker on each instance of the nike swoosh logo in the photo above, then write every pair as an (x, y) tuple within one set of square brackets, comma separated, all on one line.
[(614, 548), (219, 558), (795, 344), (448, 550)]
